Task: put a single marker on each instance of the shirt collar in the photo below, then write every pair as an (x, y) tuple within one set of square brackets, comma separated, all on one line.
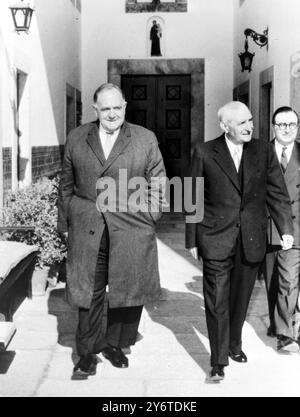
[(289, 146), (234, 147), (102, 131)]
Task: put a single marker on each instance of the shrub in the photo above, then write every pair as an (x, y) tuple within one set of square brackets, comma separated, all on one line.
[(36, 206)]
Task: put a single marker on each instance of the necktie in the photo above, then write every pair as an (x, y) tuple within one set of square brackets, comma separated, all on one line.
[(283, 161), (236, 159), (107, 143)]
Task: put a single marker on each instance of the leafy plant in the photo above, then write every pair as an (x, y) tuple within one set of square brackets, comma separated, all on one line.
[(36, 206)]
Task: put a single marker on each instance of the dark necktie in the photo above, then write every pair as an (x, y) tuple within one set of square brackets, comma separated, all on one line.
[(283, 161)]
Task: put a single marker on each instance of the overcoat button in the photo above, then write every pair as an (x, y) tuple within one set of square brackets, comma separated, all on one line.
[(92, 232)]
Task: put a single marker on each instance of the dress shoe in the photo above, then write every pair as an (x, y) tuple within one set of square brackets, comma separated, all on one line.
[(85, 367), (238, 357), (115, 356), (286, 344), (217, 373), (271, 332)]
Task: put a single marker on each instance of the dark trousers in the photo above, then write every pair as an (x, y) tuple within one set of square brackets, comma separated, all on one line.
[(282, 282), (228, 285), (122, 323)]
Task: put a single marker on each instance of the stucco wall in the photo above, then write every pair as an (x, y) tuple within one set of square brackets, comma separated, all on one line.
[(205, 31), (50, 56)]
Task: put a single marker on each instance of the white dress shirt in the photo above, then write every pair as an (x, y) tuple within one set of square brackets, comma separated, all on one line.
[(289, 149), (236, 152), (107, 140)]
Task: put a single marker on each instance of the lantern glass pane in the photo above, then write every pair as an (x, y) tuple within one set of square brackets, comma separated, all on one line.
[(20, 18), (28, 19), (247, 62)]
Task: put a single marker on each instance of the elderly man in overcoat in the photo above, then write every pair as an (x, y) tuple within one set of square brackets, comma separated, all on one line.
[(112, 246)]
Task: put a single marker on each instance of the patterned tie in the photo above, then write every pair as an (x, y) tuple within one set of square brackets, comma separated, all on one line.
[(283, 161), (236, 159), (107, 144)]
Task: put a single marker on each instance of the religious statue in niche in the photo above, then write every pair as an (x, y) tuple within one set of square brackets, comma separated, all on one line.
[(155, 37)]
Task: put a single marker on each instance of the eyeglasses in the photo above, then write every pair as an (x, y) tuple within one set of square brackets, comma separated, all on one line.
[(283, 126)]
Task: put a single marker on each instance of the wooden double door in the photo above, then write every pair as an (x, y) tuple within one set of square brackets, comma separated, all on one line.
[(161, 103)]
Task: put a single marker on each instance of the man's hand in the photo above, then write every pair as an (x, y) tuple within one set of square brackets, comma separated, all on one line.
[(65, 234), (194, 253), (287, 242)]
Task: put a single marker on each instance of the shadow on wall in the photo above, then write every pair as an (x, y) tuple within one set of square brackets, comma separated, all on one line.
[(56, 65)]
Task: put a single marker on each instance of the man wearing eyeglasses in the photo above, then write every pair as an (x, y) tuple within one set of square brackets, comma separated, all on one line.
[(113, 246), (283, 267)]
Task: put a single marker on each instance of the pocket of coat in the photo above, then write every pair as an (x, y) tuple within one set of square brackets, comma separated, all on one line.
[(208, 223)]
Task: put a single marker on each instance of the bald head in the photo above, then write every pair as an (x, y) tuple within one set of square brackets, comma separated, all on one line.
[(236, 121)]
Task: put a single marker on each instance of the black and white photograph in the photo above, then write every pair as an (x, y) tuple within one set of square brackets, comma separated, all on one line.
[(149, 201)]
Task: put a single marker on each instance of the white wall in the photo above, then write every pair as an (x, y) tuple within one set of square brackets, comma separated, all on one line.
[(282, 18), (50, 55), (205, 31)]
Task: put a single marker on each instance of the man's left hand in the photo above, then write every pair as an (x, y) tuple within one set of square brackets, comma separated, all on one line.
[(287, 242)]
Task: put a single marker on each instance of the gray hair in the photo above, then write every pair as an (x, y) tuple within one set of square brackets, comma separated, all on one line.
[(226, 111), (107, 86)]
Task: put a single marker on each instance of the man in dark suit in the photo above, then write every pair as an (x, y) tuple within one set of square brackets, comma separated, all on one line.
[(241, 178), (283, 267), (110, 243)]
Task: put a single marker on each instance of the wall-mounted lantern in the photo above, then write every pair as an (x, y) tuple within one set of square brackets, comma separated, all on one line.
[(246, 57), (22, 14)]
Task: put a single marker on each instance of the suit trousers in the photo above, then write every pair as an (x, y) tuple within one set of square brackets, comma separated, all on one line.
[(227, 285), (122, 323), (282, 282)]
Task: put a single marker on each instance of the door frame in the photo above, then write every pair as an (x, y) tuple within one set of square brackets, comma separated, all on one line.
[(194, 67), (266, 82)]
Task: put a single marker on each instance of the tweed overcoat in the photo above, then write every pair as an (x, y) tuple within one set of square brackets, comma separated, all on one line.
[(231, 207), (292, 180), (133, 276)]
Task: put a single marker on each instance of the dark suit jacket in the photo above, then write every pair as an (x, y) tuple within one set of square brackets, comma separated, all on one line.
[(231, 207), (292, 180)]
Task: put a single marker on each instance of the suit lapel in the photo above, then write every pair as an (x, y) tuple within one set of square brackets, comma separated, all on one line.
[(93, 141), (224, 160), (121, 143), (293, 165)]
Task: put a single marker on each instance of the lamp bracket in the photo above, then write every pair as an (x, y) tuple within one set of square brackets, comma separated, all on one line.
[(260, 39)]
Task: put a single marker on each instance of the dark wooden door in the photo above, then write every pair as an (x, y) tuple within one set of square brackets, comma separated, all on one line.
[(162, 104)]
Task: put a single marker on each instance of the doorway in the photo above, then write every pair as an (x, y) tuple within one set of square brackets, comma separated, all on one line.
[(266, 104), (22, 131), (162, 103)]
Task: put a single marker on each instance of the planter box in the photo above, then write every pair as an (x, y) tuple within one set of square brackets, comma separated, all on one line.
[(7, 331)]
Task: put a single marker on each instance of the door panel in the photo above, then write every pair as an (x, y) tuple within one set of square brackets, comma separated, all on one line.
[(162, 104), (140, 96), (173, 123)]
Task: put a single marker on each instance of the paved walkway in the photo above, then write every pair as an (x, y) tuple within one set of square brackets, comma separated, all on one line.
[(172, 356)]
